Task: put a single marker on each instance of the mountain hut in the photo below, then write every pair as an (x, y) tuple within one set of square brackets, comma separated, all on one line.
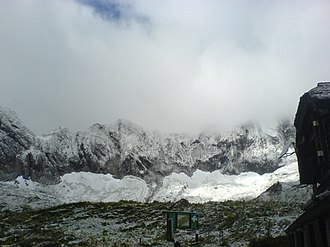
[(312, 123)]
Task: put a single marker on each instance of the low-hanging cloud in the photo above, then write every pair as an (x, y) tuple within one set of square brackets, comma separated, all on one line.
[(173, 66)]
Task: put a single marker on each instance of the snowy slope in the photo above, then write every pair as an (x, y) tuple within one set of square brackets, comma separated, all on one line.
[(200, 187), (214, 186), (85, 186)]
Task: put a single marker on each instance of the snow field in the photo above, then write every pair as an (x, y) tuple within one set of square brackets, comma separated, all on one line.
[(200, 187)]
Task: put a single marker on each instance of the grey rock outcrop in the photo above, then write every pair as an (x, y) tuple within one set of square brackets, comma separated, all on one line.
[(15, 139)]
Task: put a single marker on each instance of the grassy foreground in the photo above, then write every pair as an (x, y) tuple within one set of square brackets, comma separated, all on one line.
[(128, 223)]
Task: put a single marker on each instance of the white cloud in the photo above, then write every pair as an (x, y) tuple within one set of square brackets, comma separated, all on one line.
[(196, 64)]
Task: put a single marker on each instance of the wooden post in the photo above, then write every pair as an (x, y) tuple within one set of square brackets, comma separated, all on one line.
[(169, 232), (177, 244), (196, 236)]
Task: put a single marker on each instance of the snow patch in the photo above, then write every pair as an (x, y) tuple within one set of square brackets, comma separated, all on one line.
[(214, 186), (86, 186)]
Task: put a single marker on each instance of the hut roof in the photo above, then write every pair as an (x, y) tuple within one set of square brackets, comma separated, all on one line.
[(315, 101)]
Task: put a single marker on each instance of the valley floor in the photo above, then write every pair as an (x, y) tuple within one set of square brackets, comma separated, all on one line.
[(128, 223)]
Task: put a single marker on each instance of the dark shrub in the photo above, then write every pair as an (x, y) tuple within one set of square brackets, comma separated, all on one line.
[(281, 241)]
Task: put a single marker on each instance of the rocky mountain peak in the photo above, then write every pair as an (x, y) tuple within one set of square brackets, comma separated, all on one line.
[(124, 148), (127, 127), (15, 139)]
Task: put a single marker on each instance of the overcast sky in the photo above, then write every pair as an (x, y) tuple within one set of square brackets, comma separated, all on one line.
[(173, 66)]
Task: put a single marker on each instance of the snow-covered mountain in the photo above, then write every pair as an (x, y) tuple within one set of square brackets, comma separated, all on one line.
[(124, 162), (125, 149)]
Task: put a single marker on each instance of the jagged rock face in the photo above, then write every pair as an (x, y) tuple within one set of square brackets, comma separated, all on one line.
[(126, 149), (245, 149), (15, 139)]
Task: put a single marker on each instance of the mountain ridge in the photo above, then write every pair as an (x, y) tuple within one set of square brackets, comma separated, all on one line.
[(125, 148)]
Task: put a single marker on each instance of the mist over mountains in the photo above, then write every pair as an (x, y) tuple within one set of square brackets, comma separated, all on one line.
[(124, 148)]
